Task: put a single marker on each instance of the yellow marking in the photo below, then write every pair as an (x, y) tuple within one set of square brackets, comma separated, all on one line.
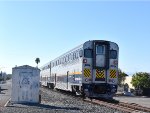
[(87, 72), (100, 73), (113, 73), (76, 73)]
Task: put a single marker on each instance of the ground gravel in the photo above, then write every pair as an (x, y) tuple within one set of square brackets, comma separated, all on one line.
[(56, 102)]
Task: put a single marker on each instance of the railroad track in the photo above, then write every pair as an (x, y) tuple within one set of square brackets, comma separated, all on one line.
[(125, 107), (135, 106), (122, 106)]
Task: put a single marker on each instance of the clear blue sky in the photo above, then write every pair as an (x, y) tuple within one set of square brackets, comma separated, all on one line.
[(46, 29)]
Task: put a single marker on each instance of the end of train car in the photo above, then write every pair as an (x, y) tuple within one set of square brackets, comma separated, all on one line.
[(100, 68), (90, 69)]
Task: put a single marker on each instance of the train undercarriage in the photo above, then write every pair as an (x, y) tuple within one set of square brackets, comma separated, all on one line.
[(101, 90)]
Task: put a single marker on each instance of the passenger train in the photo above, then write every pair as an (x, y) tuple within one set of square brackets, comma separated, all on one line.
[(90, 69)]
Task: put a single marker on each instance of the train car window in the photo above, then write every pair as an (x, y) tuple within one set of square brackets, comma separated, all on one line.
[(68, 57), (99, 49), (80, 53), (56, 63), (64, 59), (61, 60), (88, 53), (113, 54), (71, 56), (77, 54), (74, 56)]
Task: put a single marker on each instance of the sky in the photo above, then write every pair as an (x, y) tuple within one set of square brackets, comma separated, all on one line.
[(47, 29)]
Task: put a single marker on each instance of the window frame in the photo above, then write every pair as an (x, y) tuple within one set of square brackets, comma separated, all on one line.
[(91, 53), (116, 53), (103, 52)]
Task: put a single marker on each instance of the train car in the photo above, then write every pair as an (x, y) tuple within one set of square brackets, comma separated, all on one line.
[(90, 69), (45, 74)]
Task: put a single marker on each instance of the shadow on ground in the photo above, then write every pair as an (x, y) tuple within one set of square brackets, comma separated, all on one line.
[(2, 93), (2, 90), (42, 106)]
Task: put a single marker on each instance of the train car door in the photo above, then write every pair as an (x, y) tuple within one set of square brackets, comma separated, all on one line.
[(101, 63), (67, 78), (55, 79), (100, 55)]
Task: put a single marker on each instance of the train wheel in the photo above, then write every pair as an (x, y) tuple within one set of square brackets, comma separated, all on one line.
[(78, 93), (52, 86)]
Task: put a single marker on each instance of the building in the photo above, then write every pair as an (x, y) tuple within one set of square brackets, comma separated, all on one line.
[(128, 81), (2, 76)]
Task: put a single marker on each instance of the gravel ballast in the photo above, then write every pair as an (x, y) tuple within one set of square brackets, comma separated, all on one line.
[(55, 102)]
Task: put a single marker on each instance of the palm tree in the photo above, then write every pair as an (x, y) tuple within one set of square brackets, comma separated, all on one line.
[(37, 60)]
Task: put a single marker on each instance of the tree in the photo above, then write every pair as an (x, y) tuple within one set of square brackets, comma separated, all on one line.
[(141, 80), (37, 60), (121, 77)]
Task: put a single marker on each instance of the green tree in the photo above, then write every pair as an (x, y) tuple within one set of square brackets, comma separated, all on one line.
[(37, 60), (141, 80), (121, 77)]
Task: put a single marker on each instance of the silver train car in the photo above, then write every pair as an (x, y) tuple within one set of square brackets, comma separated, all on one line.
[(90, 69)]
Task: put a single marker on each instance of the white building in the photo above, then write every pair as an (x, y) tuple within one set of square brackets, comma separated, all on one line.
[(128, 81), (25, 84)]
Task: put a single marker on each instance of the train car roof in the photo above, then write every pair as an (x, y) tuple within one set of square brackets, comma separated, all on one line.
[(75, 49)]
